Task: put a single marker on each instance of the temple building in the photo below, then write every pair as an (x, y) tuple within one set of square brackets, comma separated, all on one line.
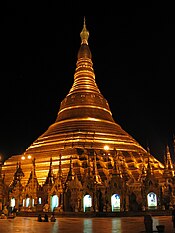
[(85, 161)]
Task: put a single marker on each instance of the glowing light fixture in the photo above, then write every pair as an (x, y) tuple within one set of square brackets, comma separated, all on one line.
[(106, 147), (28, 157)]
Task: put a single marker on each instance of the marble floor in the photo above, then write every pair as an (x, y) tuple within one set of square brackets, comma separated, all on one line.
[(83, 225)]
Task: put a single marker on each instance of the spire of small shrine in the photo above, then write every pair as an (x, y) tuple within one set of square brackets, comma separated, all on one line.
[(19, 173), (59, 168), (50, 176), (149, 167), (168, 162), (116, 168), (97, 178), (143, 174), (89, 165), (71, 174)]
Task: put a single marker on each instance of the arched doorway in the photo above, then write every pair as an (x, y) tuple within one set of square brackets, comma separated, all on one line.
[(115, 202), (27, 202), (54, 202), (12, 203), (87, 203), (152, 200)]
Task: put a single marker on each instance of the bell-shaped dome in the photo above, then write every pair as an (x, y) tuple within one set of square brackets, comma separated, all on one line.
[(84, 52)]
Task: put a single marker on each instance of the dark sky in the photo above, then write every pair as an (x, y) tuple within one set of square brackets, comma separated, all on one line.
[(133, 53)]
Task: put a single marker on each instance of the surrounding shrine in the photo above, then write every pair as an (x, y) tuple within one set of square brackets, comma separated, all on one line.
[(85, 161)]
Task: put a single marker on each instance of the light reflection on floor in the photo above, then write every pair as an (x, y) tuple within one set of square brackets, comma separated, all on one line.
[(87, 225), (82, 225)]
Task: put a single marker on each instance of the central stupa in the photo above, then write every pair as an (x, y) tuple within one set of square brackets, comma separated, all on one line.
[(84, 126)]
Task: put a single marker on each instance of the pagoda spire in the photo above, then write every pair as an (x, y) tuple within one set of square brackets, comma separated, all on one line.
[(84, 34), (89, 166), (168, 158), (168, 162), (84, 76), (116, 168), (97, 178), (149, 167), (59, 168), (50, 176), (71, 174)]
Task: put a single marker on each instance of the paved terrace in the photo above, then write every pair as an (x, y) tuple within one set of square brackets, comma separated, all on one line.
[(83, 225)]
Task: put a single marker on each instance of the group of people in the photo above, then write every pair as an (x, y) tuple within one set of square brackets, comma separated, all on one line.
[(8, 213), (46, 218)]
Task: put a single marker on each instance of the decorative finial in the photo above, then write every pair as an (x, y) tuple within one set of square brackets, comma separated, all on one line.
[(84, 34)]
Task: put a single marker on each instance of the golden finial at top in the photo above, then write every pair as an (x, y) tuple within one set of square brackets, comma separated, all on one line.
[(84, 34)]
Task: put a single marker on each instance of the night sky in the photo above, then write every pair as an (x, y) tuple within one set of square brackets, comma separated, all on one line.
[(133, 53)]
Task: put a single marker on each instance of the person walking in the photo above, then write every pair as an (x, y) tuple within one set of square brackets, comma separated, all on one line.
[(148, 221)]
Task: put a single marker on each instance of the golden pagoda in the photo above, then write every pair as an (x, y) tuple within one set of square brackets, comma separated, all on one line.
[(86, 141)]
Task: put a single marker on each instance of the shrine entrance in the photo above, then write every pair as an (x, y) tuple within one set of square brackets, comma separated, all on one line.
[(115, 202), (54, 201), (12, 203), (87, 203), (152, 200)]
